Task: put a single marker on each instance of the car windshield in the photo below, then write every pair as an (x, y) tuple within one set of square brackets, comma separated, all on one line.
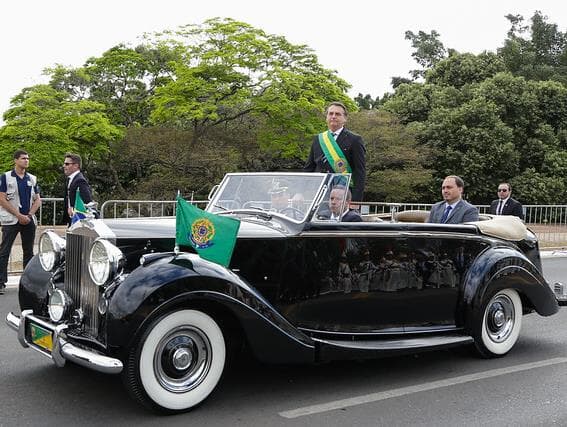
[(291, 194)]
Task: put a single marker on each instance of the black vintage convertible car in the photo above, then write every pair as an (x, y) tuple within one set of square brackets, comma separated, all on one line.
[(116, 297)]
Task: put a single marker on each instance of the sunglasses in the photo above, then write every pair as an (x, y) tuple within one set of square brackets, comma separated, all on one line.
[(68, 163), (502, 190)]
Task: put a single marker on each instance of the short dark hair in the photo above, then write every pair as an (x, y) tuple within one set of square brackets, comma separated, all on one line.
[(75, 157), (506, 184), (458, 180), (20, 153), (337, 104)]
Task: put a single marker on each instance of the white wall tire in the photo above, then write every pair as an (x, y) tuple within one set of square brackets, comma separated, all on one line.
[(498, 329), (178, 361)]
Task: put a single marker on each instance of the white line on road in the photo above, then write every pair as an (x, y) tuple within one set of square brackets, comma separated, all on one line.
[(375, 397)]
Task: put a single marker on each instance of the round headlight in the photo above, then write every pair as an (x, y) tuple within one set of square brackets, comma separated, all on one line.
[(59, 303), (51, 250), (105, 260)]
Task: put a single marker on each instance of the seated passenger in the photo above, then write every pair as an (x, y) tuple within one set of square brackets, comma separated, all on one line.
[(279, 196), (339, 211), (453, 209)]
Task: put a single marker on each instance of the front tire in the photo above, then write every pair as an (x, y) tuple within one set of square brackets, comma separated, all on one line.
[(177, 362), (498, 326)]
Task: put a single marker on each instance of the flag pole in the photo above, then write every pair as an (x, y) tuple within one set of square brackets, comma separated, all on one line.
[(176, 247)]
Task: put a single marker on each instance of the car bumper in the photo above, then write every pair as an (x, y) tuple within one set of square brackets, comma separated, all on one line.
[(55, 345), (560, 290)]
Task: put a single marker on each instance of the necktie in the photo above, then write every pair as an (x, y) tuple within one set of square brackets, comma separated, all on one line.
[(335, 135), (499, 210), (446, 214)]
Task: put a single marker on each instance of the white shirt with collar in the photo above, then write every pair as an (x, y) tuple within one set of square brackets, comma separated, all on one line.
[(453, 206), (500, 207), (73, 175), (337, 133)]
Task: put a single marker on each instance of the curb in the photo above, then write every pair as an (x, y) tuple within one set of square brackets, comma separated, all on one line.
[(554, 253)]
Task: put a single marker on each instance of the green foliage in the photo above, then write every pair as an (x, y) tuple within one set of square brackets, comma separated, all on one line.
[(232, 70), (429, 50), (542, 55), (366, 102), (46, 123), (394, 160), (460, 69)]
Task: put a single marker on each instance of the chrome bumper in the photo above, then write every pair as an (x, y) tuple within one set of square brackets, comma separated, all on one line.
[(62, 349), (560, 291)]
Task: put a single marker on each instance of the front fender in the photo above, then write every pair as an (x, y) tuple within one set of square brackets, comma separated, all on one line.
[(505, 267), (186, 279)]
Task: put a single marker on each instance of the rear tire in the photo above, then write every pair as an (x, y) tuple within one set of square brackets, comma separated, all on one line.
[(497, 328), (178, 361)]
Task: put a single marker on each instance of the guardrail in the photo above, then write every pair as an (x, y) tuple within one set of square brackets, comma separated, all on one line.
[(142, 208)]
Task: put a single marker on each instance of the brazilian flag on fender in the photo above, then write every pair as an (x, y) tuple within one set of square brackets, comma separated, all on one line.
[(212, 236)]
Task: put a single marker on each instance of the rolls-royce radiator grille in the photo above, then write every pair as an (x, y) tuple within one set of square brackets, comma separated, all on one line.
[(78, 283)]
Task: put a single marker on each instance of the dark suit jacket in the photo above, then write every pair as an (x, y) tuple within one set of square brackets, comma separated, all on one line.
[(79, 182), (355, 152), (351, 216), (463, 212), (511, 207)]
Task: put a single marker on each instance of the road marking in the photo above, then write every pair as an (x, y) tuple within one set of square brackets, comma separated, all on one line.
[(397, 392)]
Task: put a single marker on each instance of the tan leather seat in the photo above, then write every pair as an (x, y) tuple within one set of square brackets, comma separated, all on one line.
[(412, 216)]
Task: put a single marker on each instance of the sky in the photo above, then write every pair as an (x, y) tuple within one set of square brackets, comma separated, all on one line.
[(363, 40)]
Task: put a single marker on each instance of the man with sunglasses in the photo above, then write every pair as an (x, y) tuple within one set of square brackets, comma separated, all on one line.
[(19, 201), (505, 205), (75, 181)]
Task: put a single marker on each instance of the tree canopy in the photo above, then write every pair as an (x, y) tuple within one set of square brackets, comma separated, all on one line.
[(184, 106)]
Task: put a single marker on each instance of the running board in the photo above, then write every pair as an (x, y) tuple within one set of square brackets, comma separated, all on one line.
[(332, 349)]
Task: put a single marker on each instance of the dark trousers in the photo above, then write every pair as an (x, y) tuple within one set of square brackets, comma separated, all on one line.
[(9, 233)]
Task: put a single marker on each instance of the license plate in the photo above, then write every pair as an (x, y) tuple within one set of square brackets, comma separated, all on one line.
[(41, 337)]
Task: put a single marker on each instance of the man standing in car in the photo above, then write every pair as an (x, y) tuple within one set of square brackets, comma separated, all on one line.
[(339, 150)]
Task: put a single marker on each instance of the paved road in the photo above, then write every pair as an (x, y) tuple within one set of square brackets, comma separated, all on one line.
[(443, 388)]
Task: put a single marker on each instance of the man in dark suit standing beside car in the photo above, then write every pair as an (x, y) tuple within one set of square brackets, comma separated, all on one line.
[(74, 181), (339, 150), (505, 205)]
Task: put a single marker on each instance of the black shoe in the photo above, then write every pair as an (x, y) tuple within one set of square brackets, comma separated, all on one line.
[(2, 289)]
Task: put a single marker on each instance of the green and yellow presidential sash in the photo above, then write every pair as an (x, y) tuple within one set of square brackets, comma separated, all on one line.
[(334, 154)]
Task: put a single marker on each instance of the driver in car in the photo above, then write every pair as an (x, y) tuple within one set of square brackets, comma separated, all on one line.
[(279, 196)]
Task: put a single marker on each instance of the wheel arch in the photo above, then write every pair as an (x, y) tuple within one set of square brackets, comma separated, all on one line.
[(502, 268)]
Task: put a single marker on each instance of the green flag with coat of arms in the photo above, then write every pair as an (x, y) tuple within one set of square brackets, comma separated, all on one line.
[(212, 236)]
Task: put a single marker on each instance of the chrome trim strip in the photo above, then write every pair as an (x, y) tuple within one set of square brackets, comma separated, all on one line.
[(400, 344), (385, 332), (62, 349), (393, 233)]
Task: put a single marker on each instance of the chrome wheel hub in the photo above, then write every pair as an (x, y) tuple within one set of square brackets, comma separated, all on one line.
[(500, 318), (182, 359)]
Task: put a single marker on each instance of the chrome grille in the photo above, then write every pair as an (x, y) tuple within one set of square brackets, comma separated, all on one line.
[(78, 284)]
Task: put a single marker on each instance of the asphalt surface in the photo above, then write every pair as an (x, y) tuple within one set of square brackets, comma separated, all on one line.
[(528, 387)]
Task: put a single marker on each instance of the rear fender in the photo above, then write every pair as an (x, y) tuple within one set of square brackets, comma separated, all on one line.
[(501, 268)]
